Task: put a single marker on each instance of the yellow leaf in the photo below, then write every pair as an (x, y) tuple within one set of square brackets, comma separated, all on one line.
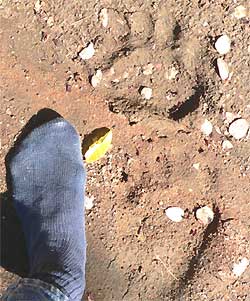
[(97, 144)]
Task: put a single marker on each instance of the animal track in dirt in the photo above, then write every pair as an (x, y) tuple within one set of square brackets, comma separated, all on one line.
[(178, 112), (194, 263)]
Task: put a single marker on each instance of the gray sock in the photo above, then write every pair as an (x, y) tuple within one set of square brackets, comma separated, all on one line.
[(48, 182)]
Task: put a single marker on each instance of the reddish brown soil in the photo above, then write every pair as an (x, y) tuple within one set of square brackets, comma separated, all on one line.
[(134, 251)]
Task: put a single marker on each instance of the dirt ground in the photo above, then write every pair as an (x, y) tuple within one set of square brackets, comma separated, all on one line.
[(134, 251)]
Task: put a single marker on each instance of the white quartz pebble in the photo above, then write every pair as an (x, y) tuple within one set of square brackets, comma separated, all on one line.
[(239, 268), (223, 69), (89, 202), (87, 52), (205, 215), (239, 128), (104, 18), (207, 128), (226, 145), (223, 44), (146, 93), (240, 12), (96, 78), (175, 214)]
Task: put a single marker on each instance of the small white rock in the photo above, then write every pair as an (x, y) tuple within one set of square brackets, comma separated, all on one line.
[(223, 69), (205, 215), (196, 166), (171, 73), (239, 268), (89, 202), (223, 44), (87, 52), (37, 6), (207, 128), (104, 18), (96, 78), (148, 69), (146, 93), (240, 12), (218, 130), (226, 144), (50, 21), (239, 128), (175, 214)]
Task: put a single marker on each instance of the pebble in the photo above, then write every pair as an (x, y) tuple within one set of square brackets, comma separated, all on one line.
[(50, 21), (175, 214), (146, 93), (223, 44), (218, 130), (240, 12), (96, 78), (37, 6), (226, 144), (207, 128), (223, 69), (87, 52), (196, 166), (104, 18), (205, 215), (239, 128), (148, 69), (89, 202), (171, 73), (8, 111), (239, 268)]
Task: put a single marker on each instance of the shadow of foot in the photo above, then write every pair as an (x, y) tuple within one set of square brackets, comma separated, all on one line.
[(13, 252)]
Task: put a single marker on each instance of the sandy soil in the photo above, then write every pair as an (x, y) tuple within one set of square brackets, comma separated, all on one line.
[(134, 251)]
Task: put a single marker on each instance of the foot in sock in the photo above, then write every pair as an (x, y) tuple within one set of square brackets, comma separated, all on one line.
[(48, 180)]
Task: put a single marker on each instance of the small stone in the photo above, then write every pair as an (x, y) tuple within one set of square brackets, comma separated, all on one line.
[(171, 73), (239, 128), (205, 215), (223, 69), (50, 21), (37, 6), (89, 202), (240, 12), (218, 130), (148, 69), (196, 166), (207, 128), (104, 18), (239, 268), (96, 78), (8, 111), (223, 44), (175, 214), (146, 93), (226, 145), (87, 52)]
